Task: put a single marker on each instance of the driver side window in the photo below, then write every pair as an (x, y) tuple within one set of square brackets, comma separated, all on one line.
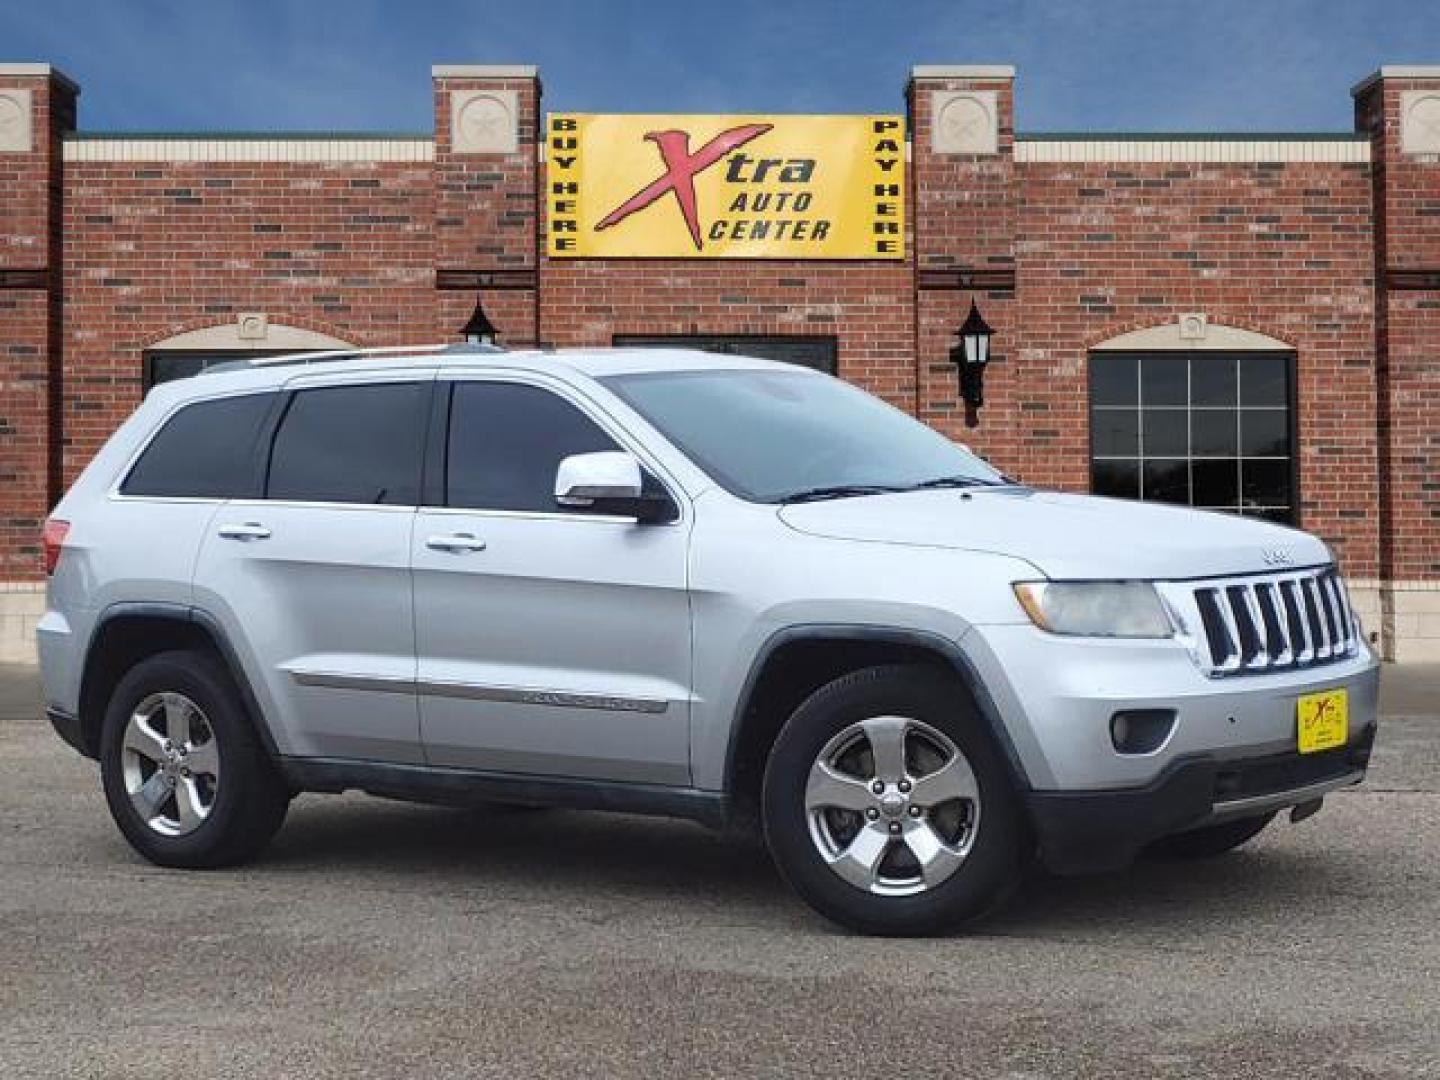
[(505, 443)]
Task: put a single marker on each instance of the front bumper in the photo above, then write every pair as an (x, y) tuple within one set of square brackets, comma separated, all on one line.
[(1085, 831), (1056, 697)]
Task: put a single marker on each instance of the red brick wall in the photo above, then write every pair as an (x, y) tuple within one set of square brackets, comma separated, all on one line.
[(1280, 249), (865, 306), (159, 248), (30, 255), (1408, 257), (1104, 248)]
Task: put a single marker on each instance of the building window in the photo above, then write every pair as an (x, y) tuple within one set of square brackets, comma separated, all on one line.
[(1213, 430), (164, 365), (807, 351)]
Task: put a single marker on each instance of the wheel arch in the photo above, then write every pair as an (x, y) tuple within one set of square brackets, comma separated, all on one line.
[(796, 661), (127, 633)]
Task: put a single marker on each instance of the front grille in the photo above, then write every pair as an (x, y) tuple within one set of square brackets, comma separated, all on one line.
[(1268, 623)]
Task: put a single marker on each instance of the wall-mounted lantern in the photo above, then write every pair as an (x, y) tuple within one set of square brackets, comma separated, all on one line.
[(479, 330), (970, 355)]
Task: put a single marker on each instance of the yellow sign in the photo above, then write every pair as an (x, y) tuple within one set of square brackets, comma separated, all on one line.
[(1323, 721), (725, 187)]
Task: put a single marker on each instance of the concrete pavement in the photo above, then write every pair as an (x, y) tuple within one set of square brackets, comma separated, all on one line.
[(383, 940)]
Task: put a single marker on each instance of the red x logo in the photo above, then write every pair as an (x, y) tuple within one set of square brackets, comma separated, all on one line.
[(681, 168)]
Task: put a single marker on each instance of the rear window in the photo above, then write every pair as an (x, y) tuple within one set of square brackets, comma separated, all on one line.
[(206, 450), (351, 444)]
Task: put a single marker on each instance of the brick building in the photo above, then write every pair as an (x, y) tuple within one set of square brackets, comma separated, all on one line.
[(1248, 322)]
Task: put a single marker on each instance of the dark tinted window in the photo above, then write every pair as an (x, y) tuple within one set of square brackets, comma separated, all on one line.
[(166, 365), (813, 352), (507, 441), (206, 450), (1206, 429), (355, 444)]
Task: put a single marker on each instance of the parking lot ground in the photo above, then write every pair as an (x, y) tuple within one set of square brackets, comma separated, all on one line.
[(377, 939)]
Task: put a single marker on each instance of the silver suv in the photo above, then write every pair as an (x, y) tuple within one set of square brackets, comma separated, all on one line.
[(664, 582)]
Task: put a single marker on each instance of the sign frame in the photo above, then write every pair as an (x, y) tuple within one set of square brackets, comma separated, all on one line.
[(786, 186)]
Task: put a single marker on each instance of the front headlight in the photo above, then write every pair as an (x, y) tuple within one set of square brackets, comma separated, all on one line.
[(1126, 609)]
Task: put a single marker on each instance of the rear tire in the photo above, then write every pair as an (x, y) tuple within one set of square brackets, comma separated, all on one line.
[(1211, 841), (187, 780), (940, 842)]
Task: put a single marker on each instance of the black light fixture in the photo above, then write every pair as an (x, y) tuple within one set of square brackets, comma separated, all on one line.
[(970, 355), (479, 330)]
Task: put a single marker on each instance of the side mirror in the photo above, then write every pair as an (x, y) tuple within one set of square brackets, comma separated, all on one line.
[(610, 482)]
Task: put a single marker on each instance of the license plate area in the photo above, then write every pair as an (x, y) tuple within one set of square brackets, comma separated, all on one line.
[(1322, 721)]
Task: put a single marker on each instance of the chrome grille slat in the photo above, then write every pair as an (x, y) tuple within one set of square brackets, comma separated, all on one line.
[(1342, 623), (1271, 622), (1306, 652), (1311, 589), (1267, 594), (1351, 626), (1232, 627), (1261, 659)]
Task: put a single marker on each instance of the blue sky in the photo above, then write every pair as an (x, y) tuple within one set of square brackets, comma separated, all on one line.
[(1243, 65)]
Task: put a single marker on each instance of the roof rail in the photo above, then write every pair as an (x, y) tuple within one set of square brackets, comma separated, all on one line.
[(337, 355)]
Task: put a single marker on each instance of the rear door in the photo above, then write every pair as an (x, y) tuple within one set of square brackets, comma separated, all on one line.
[(312, 580), (550, 641)]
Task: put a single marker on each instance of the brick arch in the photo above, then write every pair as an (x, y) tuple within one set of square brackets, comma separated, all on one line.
[(284, 333)]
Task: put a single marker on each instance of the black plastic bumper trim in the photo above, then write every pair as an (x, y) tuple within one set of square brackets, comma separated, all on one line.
[(460, 787), (1089, 831)]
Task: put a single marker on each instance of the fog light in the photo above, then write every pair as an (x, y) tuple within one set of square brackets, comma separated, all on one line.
[(1141, 731)]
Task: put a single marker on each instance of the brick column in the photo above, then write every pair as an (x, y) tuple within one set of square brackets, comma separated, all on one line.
[(1400, 108), (964, 211), (37, 106), (487, 122)]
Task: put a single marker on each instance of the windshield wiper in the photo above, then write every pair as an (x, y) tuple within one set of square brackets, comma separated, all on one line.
[(838, 491), (958, 482)]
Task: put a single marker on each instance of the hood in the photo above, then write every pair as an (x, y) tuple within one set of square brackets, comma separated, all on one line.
[(1066, 536)]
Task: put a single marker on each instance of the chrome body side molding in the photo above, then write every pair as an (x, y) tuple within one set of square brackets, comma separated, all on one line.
[(517, 695)]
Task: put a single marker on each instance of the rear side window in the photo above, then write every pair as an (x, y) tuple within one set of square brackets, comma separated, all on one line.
[(206, 450), (351, 444), (506, 443)]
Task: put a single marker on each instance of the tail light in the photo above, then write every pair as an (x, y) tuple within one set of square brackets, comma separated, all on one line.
[(54, 539)]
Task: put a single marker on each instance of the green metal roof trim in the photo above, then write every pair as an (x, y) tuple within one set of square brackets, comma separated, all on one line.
[(249, 136), (1192, 136)]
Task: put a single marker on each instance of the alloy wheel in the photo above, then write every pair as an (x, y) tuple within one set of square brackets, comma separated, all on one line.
[(893, 805), (170, 763)]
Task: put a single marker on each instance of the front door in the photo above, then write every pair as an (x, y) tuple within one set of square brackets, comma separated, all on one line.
[(550, 641)]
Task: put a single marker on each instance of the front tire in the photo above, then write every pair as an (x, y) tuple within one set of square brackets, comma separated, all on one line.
[(888, 808), (186, 779)]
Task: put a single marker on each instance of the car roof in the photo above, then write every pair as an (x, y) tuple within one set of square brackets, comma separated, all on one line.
[(272, 371)]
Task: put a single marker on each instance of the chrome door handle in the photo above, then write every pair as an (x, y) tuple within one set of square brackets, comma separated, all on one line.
[(456, 542), (251, 530)]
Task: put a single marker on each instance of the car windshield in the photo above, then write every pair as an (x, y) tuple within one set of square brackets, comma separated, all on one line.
[(780, 436)]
